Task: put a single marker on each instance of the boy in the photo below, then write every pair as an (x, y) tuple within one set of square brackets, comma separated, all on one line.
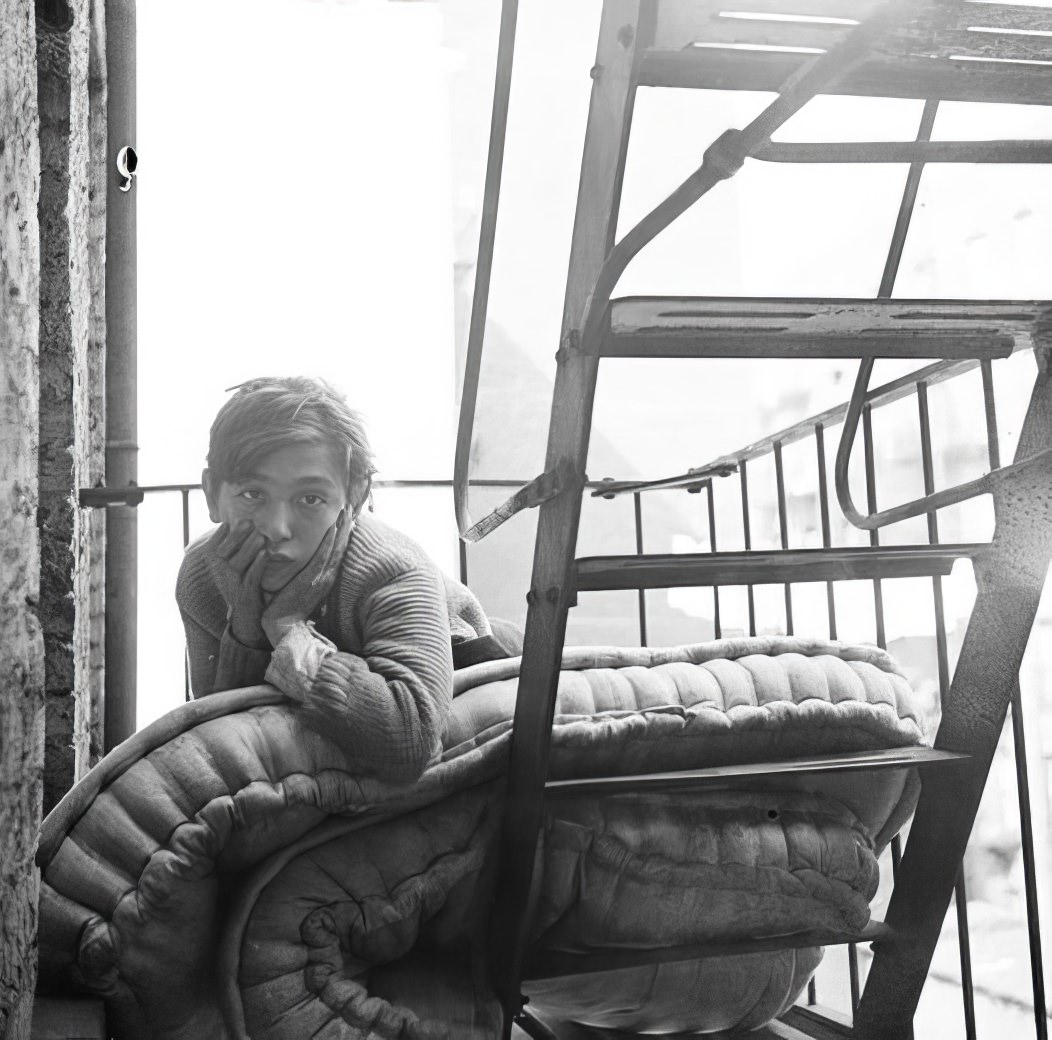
[(301, 588)]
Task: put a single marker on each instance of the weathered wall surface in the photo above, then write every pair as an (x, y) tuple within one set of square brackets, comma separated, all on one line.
[(70, 431), (89, 636), (21, 645)]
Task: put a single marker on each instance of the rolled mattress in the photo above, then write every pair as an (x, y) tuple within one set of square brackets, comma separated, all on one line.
[(228, 872)]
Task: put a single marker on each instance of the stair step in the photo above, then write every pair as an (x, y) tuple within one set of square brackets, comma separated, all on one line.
[(750, 774), (676, 327), (776, 567), (935, 53), (551, 964)]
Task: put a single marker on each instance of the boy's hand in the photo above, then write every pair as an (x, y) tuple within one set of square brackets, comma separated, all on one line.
[(308, 589), (236, 561)]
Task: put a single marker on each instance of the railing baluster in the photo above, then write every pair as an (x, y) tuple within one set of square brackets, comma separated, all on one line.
[(993, 442), (1026, 834), (716, 625), (823, 504), (852, 968), (874, 536), (747, 533), (637, 503), (462, 558), (961, 895), (1022, 772), (878, 611), (960, 899), (783, 530)]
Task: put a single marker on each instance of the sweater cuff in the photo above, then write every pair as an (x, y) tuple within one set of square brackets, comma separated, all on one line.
[(295, 661), (239, 665)]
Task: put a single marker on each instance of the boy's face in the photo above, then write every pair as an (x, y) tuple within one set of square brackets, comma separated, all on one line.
[(293, 497)]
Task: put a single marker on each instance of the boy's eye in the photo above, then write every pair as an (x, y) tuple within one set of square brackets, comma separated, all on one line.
[(251, 494), (313, 500)]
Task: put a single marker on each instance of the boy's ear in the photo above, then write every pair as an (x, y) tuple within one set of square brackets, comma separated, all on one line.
[(358, 495), (211, 490)]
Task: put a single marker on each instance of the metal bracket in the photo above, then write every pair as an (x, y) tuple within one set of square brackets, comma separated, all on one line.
[(571, 345), (725, 156), (103, 497), (563, 477)]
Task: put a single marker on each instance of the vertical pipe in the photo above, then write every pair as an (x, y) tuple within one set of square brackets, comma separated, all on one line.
[(823, 505), (185, 494), (874, 535), (121, 398), (747, 536), (637, 505), (717, 626), (783, 530)]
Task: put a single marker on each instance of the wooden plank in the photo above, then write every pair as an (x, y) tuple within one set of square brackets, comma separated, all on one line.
[(750, 774), (549, 964), (1010, 580), (21, 644), (774, 567), (60, 1019)]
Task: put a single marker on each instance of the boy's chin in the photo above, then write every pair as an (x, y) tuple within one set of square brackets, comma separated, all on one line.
[(279, 578)]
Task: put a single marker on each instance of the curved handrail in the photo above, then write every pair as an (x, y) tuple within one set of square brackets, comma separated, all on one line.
[(871, 521), (484, 264)]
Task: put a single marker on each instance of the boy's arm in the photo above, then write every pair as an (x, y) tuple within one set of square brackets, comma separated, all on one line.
[(217, 662), (387, 706)]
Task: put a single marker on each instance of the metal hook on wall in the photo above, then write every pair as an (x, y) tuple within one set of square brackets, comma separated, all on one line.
[(127, 163)]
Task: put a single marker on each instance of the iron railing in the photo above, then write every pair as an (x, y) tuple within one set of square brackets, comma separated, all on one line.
[(738, 466)]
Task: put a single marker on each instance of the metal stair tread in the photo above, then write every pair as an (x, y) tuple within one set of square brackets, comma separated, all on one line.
[(670, 326), (547, 964), (768, 567), (749, 774)]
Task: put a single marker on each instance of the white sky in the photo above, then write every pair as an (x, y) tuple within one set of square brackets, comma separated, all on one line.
[(297, 200)]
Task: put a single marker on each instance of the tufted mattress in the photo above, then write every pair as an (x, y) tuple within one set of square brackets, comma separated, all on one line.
[(228, 873)]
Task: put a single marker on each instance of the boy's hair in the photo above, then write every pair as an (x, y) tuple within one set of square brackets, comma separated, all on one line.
[(270, 413)]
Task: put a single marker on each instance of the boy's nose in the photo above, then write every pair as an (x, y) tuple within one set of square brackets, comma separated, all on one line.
[(275, 523)]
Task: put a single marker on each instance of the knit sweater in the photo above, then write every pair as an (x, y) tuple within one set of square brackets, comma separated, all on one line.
[(373, 670)]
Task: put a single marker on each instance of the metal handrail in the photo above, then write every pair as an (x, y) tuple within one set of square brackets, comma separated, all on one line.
[(484, 263)]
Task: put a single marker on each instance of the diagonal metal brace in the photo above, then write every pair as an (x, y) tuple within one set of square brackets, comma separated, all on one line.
[(550, 483)]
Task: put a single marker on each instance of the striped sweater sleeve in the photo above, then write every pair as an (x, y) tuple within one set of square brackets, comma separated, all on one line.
[(387, 703)]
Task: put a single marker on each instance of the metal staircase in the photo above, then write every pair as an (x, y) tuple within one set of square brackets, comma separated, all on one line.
[(930, 49)]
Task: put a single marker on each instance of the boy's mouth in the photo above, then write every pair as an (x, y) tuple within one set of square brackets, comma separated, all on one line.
[(273, 557)]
